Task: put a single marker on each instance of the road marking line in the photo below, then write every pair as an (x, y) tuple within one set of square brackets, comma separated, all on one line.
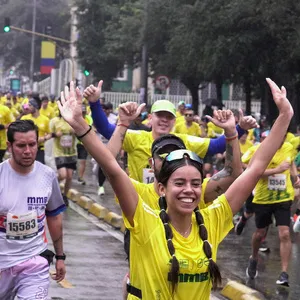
[(113, 232), (64, 283)]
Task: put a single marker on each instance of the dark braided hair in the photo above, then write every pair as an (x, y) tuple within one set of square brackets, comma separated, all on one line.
[(166, 171), (174, 271), (213, 268)]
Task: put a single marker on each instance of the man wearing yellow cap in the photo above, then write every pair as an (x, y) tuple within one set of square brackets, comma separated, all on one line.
[(138, 143)]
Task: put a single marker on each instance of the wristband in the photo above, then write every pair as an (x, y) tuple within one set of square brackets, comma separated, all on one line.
[(60, 257), (81, 136), (120, 124), (231, 138)]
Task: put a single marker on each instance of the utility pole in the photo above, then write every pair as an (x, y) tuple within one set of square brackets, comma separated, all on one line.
[(144, 66), (32, 44)]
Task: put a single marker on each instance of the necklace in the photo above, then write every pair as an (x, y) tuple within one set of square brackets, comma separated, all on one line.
[(186, 233)]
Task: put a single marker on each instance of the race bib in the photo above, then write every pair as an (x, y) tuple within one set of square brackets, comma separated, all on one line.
[(21, 227), (66, 141), (277, 182), (148, 176)]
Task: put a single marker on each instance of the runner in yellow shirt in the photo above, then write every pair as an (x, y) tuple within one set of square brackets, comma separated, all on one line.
[(6, 117), (42, 123), (273, 195), (180, 112), (14, 112), (65, 152), (81, 151), (245, 143), (173, 251), (46, 110), (188, 126), (211, 188)]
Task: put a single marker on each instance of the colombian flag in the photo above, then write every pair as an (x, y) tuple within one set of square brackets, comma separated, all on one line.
[(47, 57)]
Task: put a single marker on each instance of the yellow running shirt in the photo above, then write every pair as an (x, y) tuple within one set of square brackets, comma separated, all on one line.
[(66, 144), (48, 112), (244, 147), (42, 123), (6, 117), (150, 197), (137, 144), (182, 128), (149, 255), (278, 187)]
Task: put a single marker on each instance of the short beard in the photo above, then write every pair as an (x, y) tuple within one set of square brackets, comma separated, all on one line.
[(19, 162)]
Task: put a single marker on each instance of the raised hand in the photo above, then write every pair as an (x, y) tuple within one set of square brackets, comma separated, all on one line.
[(92, 93), (129, 111), (279, 97), (223, 119), (70, 104), (247, 122)]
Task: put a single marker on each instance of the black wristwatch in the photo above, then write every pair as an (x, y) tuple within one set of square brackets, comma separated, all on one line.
[(61, 257)]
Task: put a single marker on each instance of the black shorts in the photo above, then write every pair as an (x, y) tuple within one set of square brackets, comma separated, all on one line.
[(82, 153), (68, 162), (2, 153), (264, 212), (249, 209)]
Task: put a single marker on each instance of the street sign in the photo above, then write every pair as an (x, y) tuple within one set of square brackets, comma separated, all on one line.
[(162, 82)]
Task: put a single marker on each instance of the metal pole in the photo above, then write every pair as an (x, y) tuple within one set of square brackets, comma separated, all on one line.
[(32, 44), (144, 66)]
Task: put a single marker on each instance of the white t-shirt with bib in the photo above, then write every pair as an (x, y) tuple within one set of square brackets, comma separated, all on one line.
[(25, 201)]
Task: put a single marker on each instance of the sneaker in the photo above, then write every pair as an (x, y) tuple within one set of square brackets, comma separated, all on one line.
[(264, 247), (66, 200), (251, 270), (81, 181), (101, 191), (239, 226), (283, 279), (296, 226)]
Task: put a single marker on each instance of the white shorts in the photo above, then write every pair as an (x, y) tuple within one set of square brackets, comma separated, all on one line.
[(28, 280)]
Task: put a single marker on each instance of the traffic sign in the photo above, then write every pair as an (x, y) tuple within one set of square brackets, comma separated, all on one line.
[(162, 82)]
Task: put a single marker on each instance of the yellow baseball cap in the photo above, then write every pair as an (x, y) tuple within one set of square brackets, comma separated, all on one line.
[(163, 105)]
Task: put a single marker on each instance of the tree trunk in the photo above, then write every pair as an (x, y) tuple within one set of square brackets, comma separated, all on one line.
[(219, 84), (247, 88), (193, 86)]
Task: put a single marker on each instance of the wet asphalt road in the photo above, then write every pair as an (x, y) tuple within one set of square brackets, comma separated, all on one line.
[(95, 262)]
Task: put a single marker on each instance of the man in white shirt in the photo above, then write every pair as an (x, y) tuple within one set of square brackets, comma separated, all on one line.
[(29, 195)]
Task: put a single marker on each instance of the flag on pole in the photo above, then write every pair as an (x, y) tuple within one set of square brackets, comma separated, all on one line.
[(47, 57)]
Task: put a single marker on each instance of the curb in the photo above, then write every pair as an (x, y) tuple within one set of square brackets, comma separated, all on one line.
[(237, 291), (96, 209)]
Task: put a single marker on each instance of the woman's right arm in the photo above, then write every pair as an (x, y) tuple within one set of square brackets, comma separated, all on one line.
[(241, 188), (70, 109)]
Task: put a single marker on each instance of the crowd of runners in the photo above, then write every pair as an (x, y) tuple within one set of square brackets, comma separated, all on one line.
[(182, 182)]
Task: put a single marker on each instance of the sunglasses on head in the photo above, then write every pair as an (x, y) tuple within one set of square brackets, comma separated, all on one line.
[(180, 154)]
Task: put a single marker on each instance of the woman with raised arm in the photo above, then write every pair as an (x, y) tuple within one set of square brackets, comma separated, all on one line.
[(173, 251)]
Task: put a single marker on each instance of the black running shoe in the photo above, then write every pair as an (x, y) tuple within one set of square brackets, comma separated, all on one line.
[(239, 226), (283, 279), (251, 271)]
